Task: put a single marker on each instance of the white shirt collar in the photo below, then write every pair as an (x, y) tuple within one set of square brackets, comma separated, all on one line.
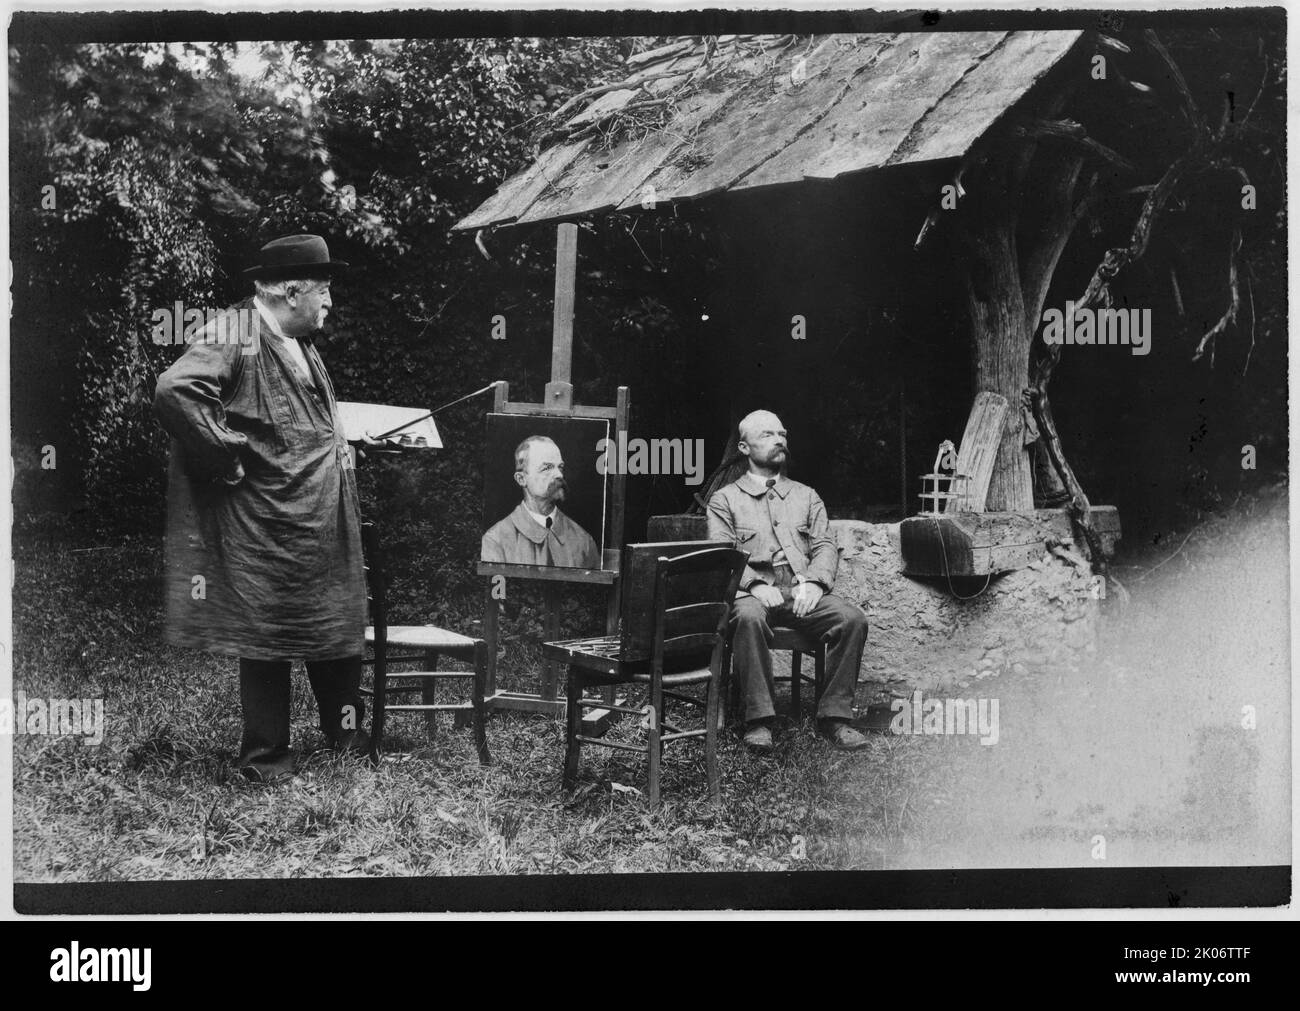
[(540, 519)]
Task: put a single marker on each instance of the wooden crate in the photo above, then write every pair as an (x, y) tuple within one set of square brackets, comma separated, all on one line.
[(678, 527)]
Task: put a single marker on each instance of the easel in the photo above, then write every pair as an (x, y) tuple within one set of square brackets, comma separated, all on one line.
[(559, 404)]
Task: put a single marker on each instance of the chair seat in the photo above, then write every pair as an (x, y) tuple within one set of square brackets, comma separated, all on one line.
[(601, 658), (788, 638), (423, 637)]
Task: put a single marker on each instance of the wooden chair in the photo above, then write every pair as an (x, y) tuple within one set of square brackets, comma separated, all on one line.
[(800, 645), (692, 599), (422, 644)]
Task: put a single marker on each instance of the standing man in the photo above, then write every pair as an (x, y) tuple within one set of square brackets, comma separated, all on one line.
[(264, 527), (537, 532), (791, 572)]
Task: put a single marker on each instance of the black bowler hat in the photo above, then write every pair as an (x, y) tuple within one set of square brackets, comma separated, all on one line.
[(291, 257)]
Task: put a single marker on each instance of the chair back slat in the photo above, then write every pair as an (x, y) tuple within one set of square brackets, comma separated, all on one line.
[(693, 597), (639, 570), (690, 618), (694, 642)]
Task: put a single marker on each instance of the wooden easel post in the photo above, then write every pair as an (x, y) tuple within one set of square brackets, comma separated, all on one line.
[(607, 575), (559, 391), (559, 404)]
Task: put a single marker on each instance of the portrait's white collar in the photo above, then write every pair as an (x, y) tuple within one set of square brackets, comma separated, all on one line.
[(533, 526), (540, 520)]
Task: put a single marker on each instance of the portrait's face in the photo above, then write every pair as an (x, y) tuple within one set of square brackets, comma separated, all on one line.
[(543, 478), (764, 440), (309, 308)]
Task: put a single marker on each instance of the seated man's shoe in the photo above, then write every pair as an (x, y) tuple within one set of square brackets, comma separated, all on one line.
[(758, 738), (843, 736)]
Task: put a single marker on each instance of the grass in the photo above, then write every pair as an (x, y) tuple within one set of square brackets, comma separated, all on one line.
[(1143, 745), (159, 798)]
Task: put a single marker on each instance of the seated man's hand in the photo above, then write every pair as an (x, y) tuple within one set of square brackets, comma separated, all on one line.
[(767, 595), (806, 596)]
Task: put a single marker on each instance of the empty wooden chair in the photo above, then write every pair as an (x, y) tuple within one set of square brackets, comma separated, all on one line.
[(422, 644), (692, 599)]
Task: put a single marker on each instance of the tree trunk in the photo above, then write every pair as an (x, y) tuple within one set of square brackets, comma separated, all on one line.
[(1001, 353)]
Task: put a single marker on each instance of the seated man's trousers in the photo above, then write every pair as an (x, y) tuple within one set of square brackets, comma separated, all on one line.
[(844, 629)]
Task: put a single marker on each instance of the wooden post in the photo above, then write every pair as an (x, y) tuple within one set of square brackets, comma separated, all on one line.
[(558, 402), (559, 391), (551, 630), (902, 445), (491, 623), (618, 495)]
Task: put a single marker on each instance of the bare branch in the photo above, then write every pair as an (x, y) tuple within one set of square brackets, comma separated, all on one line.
[(1234, 303), (601, 89), (1080, 509), (1089, 197), (1250, 292), (1263, 84), (1069, 130), (1097, 292), (1190, 109), (1178, 294), (930, 220)]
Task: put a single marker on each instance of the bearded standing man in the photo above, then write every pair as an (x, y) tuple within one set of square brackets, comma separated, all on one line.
[(264, 528), (788, 581)]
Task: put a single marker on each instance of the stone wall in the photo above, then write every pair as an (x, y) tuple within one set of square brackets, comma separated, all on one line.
[(923, 636)]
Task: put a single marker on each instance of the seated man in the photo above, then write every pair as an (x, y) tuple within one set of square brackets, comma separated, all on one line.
[(791, 571)]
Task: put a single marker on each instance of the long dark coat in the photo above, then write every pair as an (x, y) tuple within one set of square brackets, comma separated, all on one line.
[(266, 565)]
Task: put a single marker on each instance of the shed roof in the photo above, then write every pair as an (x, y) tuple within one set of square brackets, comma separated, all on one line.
[(742, 112)]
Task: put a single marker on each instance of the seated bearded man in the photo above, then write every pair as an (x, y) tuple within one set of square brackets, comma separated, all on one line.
[(789, 581)]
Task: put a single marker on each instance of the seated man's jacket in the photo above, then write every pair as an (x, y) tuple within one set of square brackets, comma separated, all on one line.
[(789, 517)]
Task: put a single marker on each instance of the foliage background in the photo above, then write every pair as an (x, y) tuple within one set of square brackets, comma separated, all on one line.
[(171, 163)]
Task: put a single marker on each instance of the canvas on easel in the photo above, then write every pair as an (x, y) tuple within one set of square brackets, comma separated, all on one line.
[(545, 501), (556, 408)]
